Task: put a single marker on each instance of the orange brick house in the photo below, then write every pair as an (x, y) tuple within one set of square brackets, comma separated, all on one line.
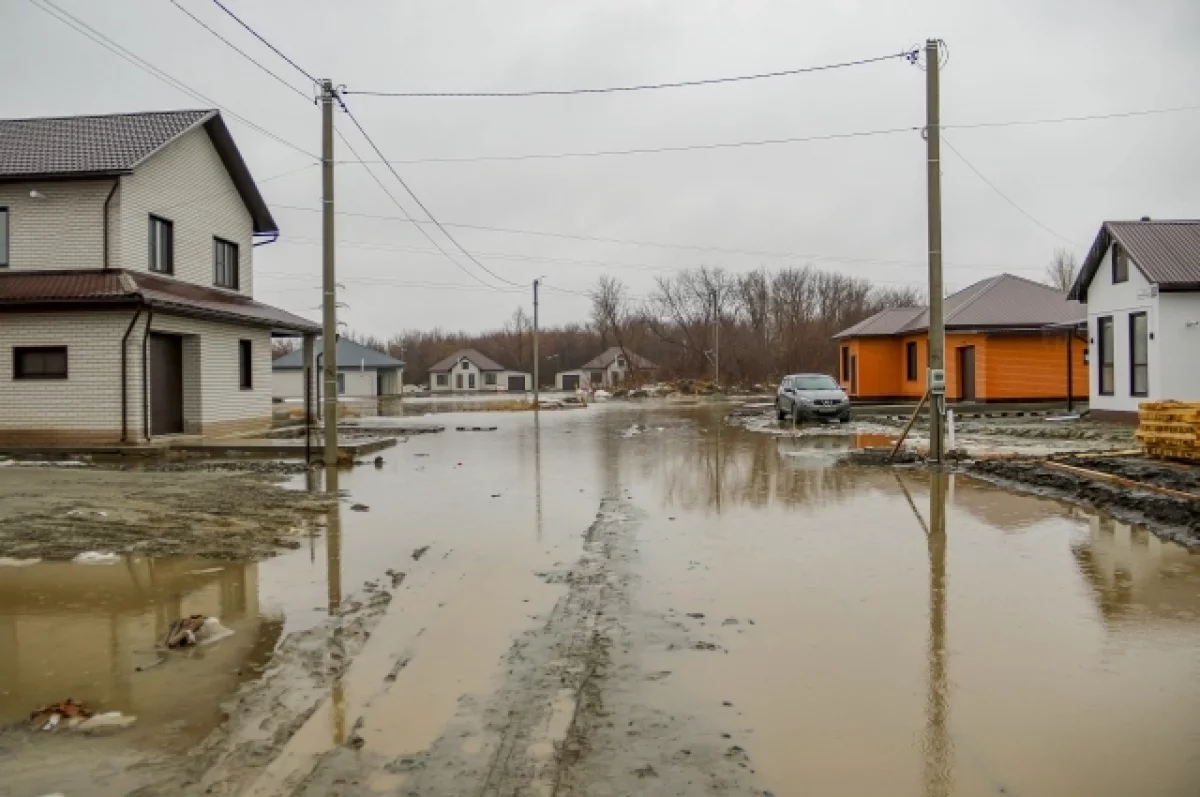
[(1007, 339)]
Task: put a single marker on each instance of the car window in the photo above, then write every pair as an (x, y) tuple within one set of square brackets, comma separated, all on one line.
[(787, 383), (815, 383)]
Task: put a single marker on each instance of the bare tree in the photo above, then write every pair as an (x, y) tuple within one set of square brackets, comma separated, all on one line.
[(1062, 270), (282, 346), (611, 315)]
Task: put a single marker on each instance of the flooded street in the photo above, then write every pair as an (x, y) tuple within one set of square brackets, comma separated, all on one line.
[(618, 600)]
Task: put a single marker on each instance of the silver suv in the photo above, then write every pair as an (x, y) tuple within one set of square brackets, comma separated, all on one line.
[(808, 397)]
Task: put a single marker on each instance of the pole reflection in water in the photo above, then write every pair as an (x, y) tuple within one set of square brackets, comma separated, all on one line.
[(333, 576), (537, 468), (937, 746)]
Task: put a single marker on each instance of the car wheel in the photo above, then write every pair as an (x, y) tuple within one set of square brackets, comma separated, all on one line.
[(779, 412), (844, 418)]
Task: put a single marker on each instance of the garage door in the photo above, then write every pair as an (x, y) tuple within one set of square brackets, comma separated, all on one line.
[(516, 384), (570, 382)]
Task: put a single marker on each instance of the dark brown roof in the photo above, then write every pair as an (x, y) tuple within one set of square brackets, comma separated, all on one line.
[(64, 289), (1005, 301), (86, 147), (605, 359), (884, 323), (1167, 253), (478, 360)]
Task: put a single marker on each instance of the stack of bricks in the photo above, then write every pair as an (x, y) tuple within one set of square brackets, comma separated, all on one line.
[(1170, 429)]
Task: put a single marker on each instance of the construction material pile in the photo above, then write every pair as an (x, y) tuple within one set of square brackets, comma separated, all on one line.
[(1170, 429)]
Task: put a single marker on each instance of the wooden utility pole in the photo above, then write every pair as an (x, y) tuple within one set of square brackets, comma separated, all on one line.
[(329, 283), (716, 342), (536, 370), (936, 375)]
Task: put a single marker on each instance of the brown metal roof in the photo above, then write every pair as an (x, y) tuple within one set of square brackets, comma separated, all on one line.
[(1167, 253), (478, 360), (85, 147), (605, 359), (884, 323), (62, 289)]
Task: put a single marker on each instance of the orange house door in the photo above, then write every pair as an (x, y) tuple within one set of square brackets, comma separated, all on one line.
[(966, 373)]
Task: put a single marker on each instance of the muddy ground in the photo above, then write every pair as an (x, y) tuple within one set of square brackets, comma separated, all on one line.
[(167, 510)]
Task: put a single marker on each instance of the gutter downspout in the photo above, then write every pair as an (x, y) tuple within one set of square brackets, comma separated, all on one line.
[(107, 202), (145, 380), (124, 376)]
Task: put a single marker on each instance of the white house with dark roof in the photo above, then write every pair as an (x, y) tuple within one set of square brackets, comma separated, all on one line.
[(468, 371), (361, 372), (127, 306), (607, 369), (1141, 284)]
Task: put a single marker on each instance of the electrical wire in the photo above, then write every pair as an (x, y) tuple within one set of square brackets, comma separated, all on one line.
[(417, 199), (1003, 195), (272, 47), (1062, 119), (633, 88), (234, 189), (87, 30), (239, 51)]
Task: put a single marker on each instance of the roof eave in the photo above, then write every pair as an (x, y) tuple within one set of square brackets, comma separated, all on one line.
[(62, 177)]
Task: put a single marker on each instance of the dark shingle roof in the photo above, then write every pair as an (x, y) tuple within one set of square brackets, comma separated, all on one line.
[(478, 360), (1167, 253), (62, 289), (87, 147), (885, 322), (605, 359), (350, 355)]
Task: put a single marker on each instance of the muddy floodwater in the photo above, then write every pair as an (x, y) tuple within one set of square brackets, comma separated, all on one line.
[(623, 600)]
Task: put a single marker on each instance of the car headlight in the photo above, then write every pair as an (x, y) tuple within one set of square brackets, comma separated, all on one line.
[(804, 400)]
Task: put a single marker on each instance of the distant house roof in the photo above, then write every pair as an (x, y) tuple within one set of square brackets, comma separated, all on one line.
[(96, 289), (605, 359), (89, 147), (1001, 302), (478, 360), (1167, 253), (350, 356)]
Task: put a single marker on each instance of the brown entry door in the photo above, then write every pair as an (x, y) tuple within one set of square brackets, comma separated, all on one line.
[(853, 374), (966, 373), (166, 384)]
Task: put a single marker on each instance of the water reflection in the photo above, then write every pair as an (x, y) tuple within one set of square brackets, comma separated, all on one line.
[(939, 753), (333, 580)]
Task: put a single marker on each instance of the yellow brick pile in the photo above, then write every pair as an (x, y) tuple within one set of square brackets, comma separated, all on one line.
[(1170, 429)]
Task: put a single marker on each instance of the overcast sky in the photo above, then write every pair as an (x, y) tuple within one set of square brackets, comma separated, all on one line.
[(841, 204)]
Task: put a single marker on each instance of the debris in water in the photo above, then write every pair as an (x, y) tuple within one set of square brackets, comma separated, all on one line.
[(646, 771), (476, 429), (195, 629), (495, 495), (696, 615), (379, 462), (96, 558), (729, 621), (9, 562), (108, 721), (47, 718), (419, 552), (84, 512), (359, 508), (205, 570)]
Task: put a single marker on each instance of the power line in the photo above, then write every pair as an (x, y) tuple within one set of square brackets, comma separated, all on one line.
[(273, 48), (1003, 195), (239, 51), (417, 199), (233, 189), (657, 150), (87, 30), (1063, 119), (640, 87)]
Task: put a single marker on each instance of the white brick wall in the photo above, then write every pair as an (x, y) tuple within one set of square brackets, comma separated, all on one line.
[(187, 184), (62, 231)]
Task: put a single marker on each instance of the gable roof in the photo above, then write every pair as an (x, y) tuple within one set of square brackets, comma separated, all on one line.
[(350, 356), (1167, 253), (605, 359), (478, 360), (999, 302), (884, 323), (95, 288), (90, 147)]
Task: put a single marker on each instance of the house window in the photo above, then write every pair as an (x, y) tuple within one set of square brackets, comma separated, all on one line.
[(443, 380), (465, 365), (225, 264), (845, 363), (162, 246), (1120, 264), (489, 378), (1104, 339), (1139, 367), (470, 381), (245, 365), (620, 362), (910, 360), (597, 377), (341, 384), (3, 237), (39, 362)]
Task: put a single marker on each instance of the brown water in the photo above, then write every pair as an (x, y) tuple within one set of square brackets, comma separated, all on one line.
[(895, 634)]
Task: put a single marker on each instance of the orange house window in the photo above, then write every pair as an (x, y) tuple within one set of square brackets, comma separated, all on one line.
[(845, 363)]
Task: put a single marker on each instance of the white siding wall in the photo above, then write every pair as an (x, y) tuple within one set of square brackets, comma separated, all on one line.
[(1106, 299), (1179, 345), (287, 384), (466, 381), (359, 384), (187, 184), (64, 230)]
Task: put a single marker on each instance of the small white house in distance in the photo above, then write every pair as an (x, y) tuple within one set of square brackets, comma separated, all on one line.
[(361, 372), (1141, 285), (605, 370), (468, 371)]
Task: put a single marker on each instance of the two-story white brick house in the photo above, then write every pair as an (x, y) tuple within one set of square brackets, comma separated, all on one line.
[(1141, 284), (126, 281)]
